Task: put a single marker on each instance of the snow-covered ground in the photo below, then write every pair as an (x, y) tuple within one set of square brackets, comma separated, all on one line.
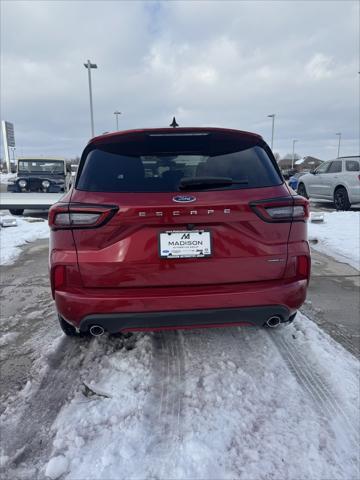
[(28, 229), (243, 403), (338, 236)]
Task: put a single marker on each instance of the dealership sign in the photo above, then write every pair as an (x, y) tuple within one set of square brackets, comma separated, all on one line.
[(7, 129), (10, 136)]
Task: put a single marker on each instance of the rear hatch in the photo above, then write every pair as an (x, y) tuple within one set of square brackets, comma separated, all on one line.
[(181, 210)]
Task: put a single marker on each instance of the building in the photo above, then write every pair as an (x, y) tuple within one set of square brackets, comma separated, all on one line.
[(300, 164), (307, 163)]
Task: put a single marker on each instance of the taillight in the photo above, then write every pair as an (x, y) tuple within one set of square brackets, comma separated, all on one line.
[(287, 209), (74, 216)]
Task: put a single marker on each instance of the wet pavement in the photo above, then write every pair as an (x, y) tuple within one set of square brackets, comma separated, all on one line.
[(333, 300)]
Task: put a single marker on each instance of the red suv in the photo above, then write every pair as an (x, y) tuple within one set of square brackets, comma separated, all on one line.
[(178, 228)]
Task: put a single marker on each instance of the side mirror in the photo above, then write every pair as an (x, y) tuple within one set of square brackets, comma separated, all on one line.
[(313, 171)]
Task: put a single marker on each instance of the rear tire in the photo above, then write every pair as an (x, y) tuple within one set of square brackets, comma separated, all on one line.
[(16, 211), (68, 329), (341, 199), (301, 190)]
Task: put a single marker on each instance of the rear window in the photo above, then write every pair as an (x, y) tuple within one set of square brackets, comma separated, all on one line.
[(352, 166), (109, 171)]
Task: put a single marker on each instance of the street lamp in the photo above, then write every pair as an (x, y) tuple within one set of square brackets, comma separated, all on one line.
[(272, 132), (117, 113), (339, 135), (293, 155), (89, 66)]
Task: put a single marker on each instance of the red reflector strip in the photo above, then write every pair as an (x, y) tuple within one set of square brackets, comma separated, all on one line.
[(59, 276), (303, 266)]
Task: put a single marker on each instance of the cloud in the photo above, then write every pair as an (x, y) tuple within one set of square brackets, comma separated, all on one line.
[(210, 63), (320, 66)]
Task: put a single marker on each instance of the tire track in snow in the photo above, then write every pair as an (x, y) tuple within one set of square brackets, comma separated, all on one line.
[(316, 387), (163, 411), (42, 407)]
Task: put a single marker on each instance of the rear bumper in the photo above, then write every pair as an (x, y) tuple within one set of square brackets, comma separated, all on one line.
[(124, 322), (159, 308)]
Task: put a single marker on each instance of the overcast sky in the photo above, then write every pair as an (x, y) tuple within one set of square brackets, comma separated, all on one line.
[(213, 63)]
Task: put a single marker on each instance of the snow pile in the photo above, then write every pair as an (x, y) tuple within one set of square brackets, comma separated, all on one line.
[(5, 177), (6, 338), (56, 467), (225, 403), (106, 431), (338, 236), (11, 238)]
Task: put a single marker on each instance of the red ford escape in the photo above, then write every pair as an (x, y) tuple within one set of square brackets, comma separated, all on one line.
[(178, 228)]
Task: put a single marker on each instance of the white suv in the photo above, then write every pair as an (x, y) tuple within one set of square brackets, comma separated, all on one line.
[(336, 180)]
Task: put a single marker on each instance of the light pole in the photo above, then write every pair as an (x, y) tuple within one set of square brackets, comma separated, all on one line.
[(272, 131), (117, 113), (293, 155), (89, 66), (339, 135)]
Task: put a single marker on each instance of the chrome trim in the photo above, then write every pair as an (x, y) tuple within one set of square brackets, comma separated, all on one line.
[(177, 213)]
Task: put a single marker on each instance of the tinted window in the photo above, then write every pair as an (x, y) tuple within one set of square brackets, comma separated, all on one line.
[(323, 168), (335, 167), (352, 166), (108, 171)]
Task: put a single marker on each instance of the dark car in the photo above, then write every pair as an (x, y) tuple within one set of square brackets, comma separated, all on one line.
[(178, 228), (47, 175)]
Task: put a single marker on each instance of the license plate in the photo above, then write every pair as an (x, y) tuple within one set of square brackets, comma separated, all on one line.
[(185, 244)]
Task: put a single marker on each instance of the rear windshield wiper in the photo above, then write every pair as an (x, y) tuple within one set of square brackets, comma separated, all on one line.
[(209, 182)]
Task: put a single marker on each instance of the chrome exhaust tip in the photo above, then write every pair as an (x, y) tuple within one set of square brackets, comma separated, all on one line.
[(273, 321), (96, 330)]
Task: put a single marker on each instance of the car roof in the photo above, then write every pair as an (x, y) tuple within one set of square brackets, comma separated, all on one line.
[(173, 131)]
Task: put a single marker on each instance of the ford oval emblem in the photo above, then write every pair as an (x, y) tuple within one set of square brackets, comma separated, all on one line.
[(184, 199)]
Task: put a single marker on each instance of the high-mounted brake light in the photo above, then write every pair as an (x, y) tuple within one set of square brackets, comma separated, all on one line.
[(188, 134), (287, 209), (74, 216)]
